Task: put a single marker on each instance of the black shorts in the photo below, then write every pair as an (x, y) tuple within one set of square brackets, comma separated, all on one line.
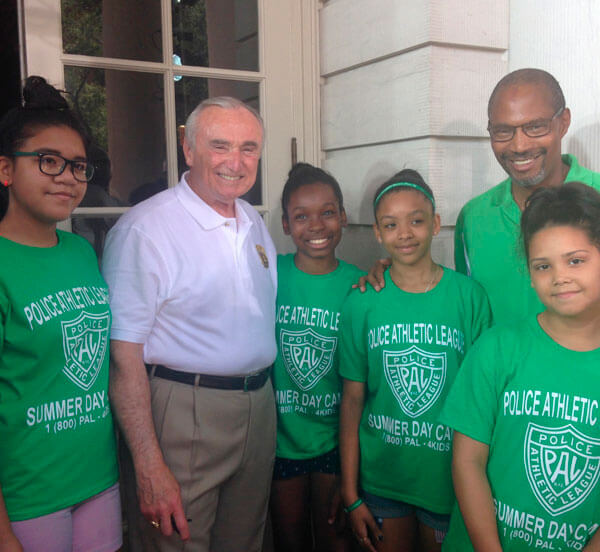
[(286, 468)]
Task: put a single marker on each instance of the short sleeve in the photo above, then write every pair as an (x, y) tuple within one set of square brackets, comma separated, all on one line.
[(482, 312), (353, 339), (472, 404), (137, 279)]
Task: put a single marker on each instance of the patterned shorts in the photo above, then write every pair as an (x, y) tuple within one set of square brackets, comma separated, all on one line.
[(286, 468)]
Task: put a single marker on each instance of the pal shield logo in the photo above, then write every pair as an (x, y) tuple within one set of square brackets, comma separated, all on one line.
[(562, 464), (416, 378), (308, 356), (85, 342)]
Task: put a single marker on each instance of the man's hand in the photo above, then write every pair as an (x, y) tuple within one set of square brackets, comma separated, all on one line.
[(375, 277), (160, 501), (157, 489)]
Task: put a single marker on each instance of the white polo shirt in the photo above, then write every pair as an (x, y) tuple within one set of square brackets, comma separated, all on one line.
[(197, 289)]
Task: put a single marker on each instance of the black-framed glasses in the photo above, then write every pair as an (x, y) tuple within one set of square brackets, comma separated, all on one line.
[(533, 129), (53, 164)]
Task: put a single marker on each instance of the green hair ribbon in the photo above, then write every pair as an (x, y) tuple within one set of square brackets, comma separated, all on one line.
[(404, 185)]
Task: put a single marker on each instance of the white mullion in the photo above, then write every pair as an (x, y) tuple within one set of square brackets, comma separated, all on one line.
[(21, 30), (263, 208), (98, 62), (42, 45), (215, 73), (310, 82), (169, 95), (155, 67), (93, 212), (167, 32)]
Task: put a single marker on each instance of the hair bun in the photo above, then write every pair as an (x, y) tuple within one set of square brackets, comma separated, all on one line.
[(38, 94)]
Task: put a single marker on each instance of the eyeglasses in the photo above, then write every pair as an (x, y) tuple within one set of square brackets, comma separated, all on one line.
[(533, 129), (53, 164)]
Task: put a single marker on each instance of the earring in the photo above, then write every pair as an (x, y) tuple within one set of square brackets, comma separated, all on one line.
[(5, 183)]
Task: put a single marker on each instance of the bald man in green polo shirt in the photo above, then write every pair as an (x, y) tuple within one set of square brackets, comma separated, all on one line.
[(527, 121)]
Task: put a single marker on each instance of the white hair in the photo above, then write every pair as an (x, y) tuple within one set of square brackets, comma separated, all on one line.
[(225, 102)]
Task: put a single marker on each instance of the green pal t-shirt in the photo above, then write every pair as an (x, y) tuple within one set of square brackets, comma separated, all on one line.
[(487, 247), (407, 348), (536, 404), (57, 444), (305, 377)]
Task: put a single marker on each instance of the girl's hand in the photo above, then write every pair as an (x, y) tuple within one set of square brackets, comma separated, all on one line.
[(336, 514), (10, 543), (365, 528), (594, 544)]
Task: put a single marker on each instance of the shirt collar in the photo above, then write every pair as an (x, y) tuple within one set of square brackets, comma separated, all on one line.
[(504, 198), (203, 213), (576, 171)]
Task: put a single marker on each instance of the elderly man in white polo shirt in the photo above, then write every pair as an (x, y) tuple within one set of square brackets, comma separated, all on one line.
[(192, 284)]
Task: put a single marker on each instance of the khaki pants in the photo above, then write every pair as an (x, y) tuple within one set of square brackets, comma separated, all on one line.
[(220, 446)]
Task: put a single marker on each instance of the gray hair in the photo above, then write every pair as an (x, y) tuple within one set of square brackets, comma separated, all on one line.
[(225, 102)]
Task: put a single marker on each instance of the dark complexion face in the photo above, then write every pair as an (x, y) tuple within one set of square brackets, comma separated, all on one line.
[(530, 162), (405, 226), (314, 221)]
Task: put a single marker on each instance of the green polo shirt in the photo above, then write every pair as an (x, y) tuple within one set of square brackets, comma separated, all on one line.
[(487, 246)]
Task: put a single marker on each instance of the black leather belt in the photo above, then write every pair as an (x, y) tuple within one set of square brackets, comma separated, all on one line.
[(250, 382)]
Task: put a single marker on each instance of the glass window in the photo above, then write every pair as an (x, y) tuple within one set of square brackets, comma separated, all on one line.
[(216, 33), (124, 112), (105, 28), (206, 33)]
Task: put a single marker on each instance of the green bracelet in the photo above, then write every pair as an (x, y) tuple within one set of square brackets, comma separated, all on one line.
[(353, 506)]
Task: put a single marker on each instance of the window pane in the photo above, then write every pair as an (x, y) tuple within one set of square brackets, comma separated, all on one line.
[(125, 115), (216, 33), (112, 28), (190, 91)]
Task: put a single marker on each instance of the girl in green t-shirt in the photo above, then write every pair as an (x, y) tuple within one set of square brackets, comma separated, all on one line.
[(400, 350), (313, 284), (525, 407), (58, 468)]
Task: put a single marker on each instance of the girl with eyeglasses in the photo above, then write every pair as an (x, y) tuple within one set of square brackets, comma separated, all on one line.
[(58, 468)]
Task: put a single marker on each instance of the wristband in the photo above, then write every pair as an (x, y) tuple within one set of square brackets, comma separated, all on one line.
[(353, 506)]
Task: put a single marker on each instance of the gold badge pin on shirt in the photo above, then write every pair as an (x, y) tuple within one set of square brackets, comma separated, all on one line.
[(263, 255)]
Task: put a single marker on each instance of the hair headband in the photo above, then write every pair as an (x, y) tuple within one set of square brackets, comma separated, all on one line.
[(404, 185)]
